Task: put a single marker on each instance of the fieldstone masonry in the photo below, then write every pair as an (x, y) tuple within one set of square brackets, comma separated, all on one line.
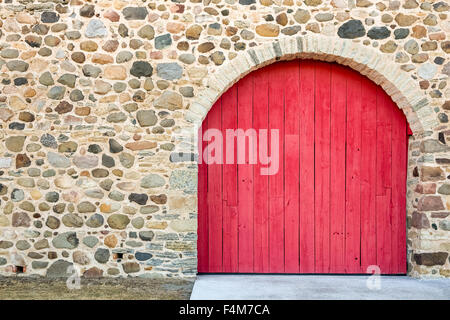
[(100, 102)]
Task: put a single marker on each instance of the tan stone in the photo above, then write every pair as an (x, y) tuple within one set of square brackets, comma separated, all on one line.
[(89, 46), (115, 72), (17, 103), (268, 30), (101, 58), (156, 225), (111, 241), (141, 145), (175, 27)]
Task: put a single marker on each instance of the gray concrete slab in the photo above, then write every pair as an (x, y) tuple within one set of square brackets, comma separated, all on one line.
[(321, 287)]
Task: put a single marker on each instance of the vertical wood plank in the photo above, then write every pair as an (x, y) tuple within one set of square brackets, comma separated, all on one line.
[(292, 166), (368, 174), (353, 174), (245, 178), (307, 81), (337, 187), (399, 165), (230, 185), (383, 184), (215, 197), (322, 167), (261, 182), (276, 184), (202, 240)]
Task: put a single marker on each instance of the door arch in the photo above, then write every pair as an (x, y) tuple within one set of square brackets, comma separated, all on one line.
[(337, 202)]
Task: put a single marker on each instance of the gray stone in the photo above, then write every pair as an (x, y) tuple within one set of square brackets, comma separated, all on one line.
[(85, 162), (379, 33), (146, 118), (72, 220), (95, 221), (52, 196), (46, 79), (17, 195), (49, 17), (185, 180), (52, 222), (141, 69), (96, 29), (146, 235), (116, 117), (163, 41), (66, 240), (68, 80), (124, 56), (116, 195), (411, 46), (17, 65), (432, 146), (444, 225), (91, 71), (56, 93), (108, 161), (57, 160), (131, 267), (187, 58), (86, 207), (49, 141), (118, 221), (102, 255), (9, 53), (76, 95), (152, 181), (3, 261), (90, 241), (444, 189), (126, 159), (169, 100), (169, 71), (135, 13), (352, 29), (59, 269), (139, 198), (22, 245), (427, 71), (146, 32)]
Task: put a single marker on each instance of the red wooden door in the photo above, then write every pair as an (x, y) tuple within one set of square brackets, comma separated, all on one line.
[(335, 204)]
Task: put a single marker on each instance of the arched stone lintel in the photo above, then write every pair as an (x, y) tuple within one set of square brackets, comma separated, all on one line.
[(378, 67)]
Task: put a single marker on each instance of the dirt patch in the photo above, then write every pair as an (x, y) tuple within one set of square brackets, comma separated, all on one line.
[(26, 288)]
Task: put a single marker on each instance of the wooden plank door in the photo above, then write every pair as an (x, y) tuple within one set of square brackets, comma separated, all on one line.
[(336, 201)]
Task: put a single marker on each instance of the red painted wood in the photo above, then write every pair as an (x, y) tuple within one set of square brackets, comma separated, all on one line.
[(214, 197), (368, 174), (322, 167), (337, 174), (276, 181), (337, 203), (292, 166), (353, 175), (261, 182), (398, 177), (203, 243), (245, 179), (230, 185), (383, 184), (307, 246)]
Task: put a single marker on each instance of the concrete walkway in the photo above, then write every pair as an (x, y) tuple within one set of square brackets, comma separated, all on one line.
[(322, 287)]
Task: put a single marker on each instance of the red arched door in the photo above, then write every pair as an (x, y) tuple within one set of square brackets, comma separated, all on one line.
[(326, 193)]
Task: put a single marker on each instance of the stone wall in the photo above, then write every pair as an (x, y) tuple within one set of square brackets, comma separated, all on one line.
[(99, 101)]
